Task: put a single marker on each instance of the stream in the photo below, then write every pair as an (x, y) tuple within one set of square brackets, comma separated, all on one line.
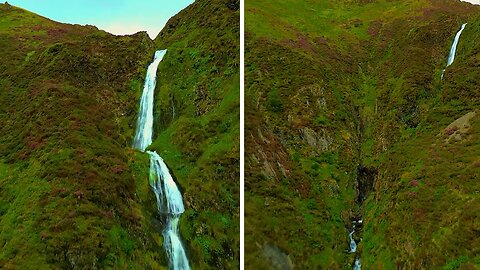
[(353, 245)]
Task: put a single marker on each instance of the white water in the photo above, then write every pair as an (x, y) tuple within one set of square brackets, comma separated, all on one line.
[(173, 245), (453, 49), (357, 265), (169, 198), (353, 245), (143, 136)]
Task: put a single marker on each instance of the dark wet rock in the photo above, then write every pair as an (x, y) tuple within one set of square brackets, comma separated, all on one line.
[(365, 180), (233, 4)]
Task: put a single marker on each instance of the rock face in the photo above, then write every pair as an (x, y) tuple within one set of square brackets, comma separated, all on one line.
[(320, 141), (270, 154), (278, 260), (365, 182), (459, 128)]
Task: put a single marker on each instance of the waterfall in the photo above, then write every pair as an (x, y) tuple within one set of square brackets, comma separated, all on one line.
[(453, 49), (353, 245), (173, 245), (357, 265), (143, 136), (169, 198), (451, 56)]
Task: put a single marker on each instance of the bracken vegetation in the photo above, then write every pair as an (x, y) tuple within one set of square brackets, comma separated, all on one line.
[(337, 90)]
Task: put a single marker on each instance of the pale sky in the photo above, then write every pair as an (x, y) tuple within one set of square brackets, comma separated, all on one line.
[(477, 2), (118, 17)]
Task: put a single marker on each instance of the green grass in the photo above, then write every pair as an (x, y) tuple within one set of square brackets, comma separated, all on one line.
[(197, 130), (71, 191), (332, 20), (333, 84), (83, 194)]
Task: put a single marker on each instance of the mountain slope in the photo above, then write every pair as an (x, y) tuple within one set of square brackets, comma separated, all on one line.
[(68, 191), (73, 194), (197, 104), (338, 94), (435, 189)]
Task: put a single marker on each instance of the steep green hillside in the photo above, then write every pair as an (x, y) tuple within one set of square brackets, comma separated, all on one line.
[(340, 96), (68, 195), (426, 201), (197, 106), (73, 194)]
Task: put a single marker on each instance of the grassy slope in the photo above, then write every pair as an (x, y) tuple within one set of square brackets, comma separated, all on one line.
[(197, 128), (68, 195), (423, 214), (375, 64), (88, 210)]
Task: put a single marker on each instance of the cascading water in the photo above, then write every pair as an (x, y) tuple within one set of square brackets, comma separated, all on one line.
[(143, 136), (170, 203), (357, 265), (353, 245), (365, 182), (453, 49), (169, 198)]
